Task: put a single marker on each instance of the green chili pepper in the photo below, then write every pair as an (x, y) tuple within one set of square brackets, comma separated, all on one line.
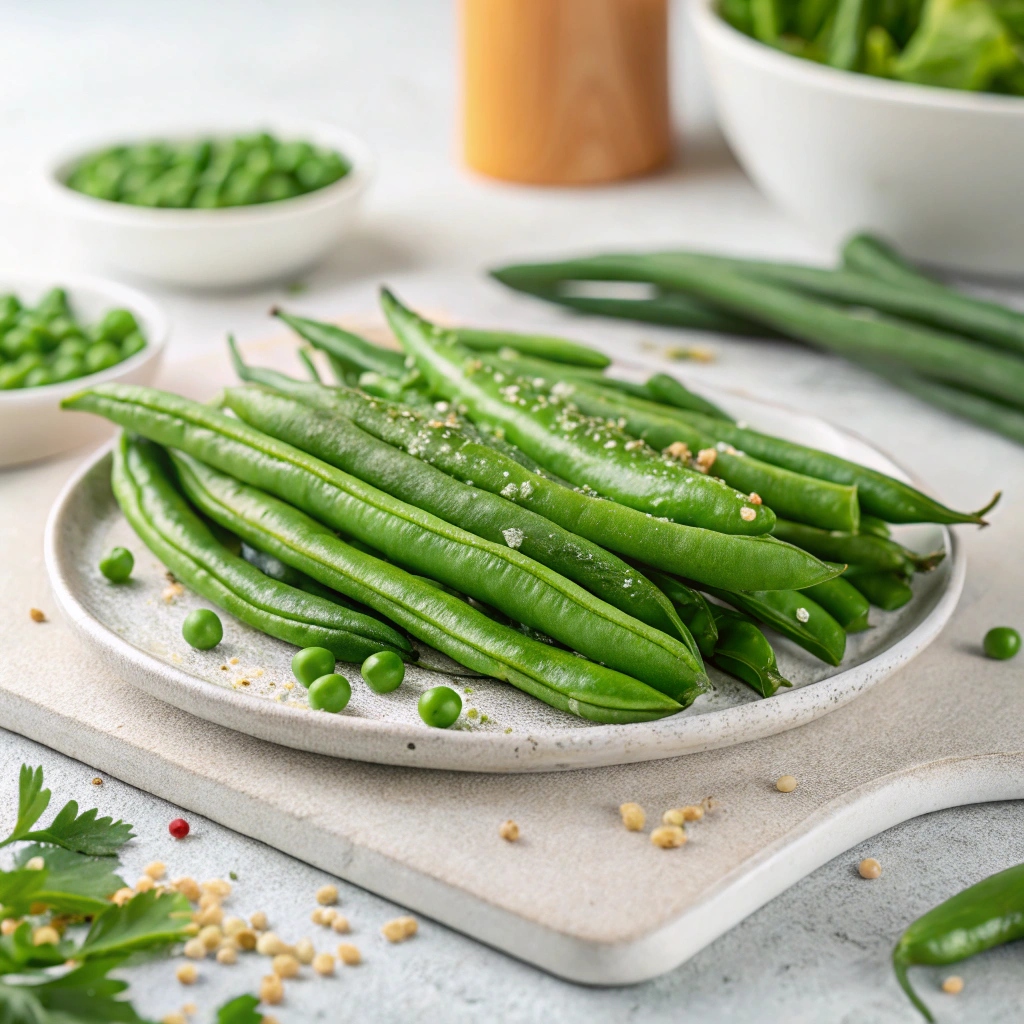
[(863, 549), (885, 590), (175, 534), (522, 588), (806, 499), (988, 914), (847, 605), (343, 444), (443, 621), (734, 562), (584, 451), (793, 614)]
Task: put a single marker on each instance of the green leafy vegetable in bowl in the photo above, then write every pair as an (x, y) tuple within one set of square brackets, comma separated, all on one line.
[(208, 173), (46, 343), (975, 45)]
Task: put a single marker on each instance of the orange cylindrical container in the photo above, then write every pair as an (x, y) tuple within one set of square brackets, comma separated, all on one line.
[(565, 92)]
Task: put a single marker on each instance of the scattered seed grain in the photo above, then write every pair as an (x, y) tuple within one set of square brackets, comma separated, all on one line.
[(188, 887), (156, 870), (786, 784), (953, 985), (668, 837), (327, 895), (633, 816), (304, 952), (144, 884), (509, 831), (271, 990), (210, 936), (349, 954), (869, 868), (187, 974), (195, 949), (269, 944), (227, 956), (45, 936), (284, 965), (340, 924), (323, 964), (259, 921), (246, 939), (97, 781), (36, 615)]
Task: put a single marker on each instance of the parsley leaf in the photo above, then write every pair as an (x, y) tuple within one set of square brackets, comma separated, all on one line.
[(70, 883), (18, 954), (84, 995), (83, 833), (240, 1010), (146, 920)]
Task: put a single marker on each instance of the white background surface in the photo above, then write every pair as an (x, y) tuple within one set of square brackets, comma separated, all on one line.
[(387, 71)]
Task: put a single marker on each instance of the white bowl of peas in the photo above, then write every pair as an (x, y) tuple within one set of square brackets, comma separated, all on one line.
[(214, 209), (58, 338)]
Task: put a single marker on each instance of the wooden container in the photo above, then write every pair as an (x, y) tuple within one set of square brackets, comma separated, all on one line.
[(565, 92)]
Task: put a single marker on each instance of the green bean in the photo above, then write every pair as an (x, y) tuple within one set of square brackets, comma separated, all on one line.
[(175, 534), (558, 350), (344, 345), (433, 616), (277, 570), (796, 616), (584, 451), (934, 302), (733, 562), (343, 444), (807, 499), (875, 526), (846, 40), (522, 588), (669, 391), (843, 602), (879, 495), (864, 549), (693, 609), (743, 651), (885, 590)]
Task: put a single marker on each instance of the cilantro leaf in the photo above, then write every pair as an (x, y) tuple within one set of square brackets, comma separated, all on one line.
[(146, 920), (69, 883), (18, 889), (18, 954), (32, 801), (240, 1010), (84, 995)]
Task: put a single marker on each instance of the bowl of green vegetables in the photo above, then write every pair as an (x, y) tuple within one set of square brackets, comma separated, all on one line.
[(213, 209), (906, 119), (55, 340)]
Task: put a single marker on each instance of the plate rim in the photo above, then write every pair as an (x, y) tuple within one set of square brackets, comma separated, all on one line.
[(420, 746)]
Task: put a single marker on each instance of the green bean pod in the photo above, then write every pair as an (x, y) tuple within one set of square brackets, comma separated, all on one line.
[(864, 549), (341, 443), (885, 590), (796, 616), (729, 561), (669, 391), (693, 609), (435, 617), (743, 651), (844, 602), (345, 346), (558, 350), (792, 495), (179, 538), (520, 587), (586, 452), (990, 913), (277, 570)]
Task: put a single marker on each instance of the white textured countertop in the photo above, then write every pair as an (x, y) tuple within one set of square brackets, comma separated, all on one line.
[(386, 71)]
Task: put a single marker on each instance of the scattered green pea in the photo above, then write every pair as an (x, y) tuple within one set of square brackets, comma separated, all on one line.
[(116, 325), (311, 663), (202, 629), (1002, 643), (330, 693), (101, 356), (117, 564), (440, 707), (383, 671)]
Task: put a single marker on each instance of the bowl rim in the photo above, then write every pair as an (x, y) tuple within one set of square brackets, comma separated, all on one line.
[(711, 25), (358, 154), (120, 294)]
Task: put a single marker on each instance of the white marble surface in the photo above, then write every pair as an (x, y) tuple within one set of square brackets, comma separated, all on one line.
[(386, 71)]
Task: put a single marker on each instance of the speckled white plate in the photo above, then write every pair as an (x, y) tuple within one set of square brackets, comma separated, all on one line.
[(245, 683)]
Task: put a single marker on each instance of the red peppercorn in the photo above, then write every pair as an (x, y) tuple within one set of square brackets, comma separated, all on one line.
[(178, 828)]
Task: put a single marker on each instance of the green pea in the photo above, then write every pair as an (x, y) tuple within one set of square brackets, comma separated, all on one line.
[(330, 693), (207, 197), (278, 186), (1002, 643), (383, 671), (13, 374), (440, 706), (63, 328), (53, 304), (289, 155), (202, 629), (100, 356), (135, 342), (67, 368), (38, 377), (10, 307), (23, 339), (72, 347), (311, 663), (117, 566), (310, 174), (242, 189), (116, 325)]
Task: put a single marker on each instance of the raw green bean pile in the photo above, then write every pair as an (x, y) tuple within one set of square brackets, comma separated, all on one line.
[(590, 541), (209, 173), (46, 343), (960, 353)]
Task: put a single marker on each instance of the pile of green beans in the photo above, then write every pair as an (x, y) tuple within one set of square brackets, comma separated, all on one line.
[(961, 353), (208, 173), (46, 343)]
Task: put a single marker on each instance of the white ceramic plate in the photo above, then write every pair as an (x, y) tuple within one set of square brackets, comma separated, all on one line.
[(244, 683), (32, 423)]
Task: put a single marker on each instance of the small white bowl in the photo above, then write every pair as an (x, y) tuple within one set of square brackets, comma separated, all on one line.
[(936, 171), (227, 248), (32, 423)]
